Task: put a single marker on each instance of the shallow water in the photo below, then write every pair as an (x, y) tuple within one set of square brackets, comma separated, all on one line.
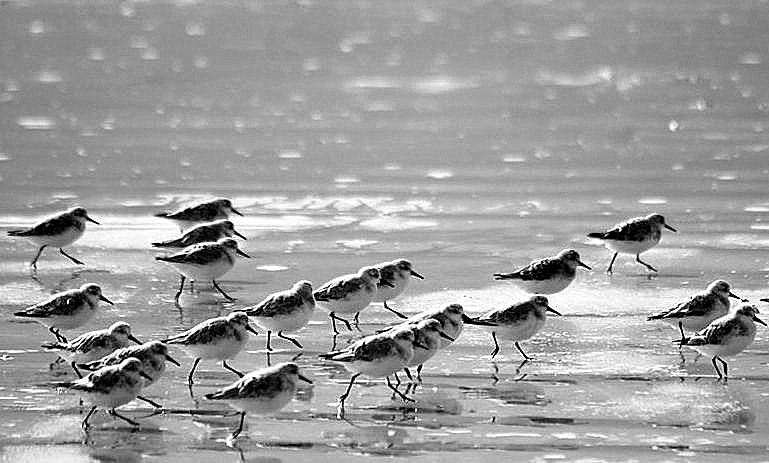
[(469, 137)]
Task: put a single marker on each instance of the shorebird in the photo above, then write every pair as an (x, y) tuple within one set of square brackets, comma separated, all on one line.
[(288, 310), (200, 212), (261, 392), (451, 317), (394, 276), (546, 276), (348, 294), (66, 310), (427, 333), (58, 231), (202, 233), (633, 236)]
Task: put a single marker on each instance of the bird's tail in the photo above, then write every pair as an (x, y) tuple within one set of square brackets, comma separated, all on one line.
[(598, 235), (504, 276), (162, 214), (54, 346), (655, 316), (90, 366), (63, 384), (18, 232)]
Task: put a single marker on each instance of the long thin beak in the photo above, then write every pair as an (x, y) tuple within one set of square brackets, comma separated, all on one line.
[(420, 345), (670, 228), (764, 300), (251, 330), (304, 378), (145, 375), (550, 309), (235, 212), (171, 359), (235, 232), (445, 336), (758, 320), (472, 321), (415, 274), (582, 264), (133, 338), (243, 254), (102, 298), (731, 294), (387, 283), (91, 220)]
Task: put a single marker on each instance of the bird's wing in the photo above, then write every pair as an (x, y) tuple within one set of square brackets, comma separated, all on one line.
[(205, 333), (62, 304), (100, 381), (89, 341), (540, 269), (716, 333), (201, 254), (387, 274), (275, 305), (632, 230), (697, 306), (338, 288), (52, 226)]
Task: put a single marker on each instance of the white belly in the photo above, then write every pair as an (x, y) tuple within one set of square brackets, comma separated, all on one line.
[(386, 293), (630, 247), (68, 236), (224, 349), (262, 406), (551, 286), (78, 318), (519, 331), (116, 397), (354, 302), (289, 322), (208, 272)]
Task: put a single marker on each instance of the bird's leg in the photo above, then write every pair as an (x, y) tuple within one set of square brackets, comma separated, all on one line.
[(237, 432), (419, 372), (189, 377), (85, 424), (638, 259), (333, 325), (356, 321), (78, 262), (224, 364), (726, 368), (408, 374), (269, 335), (296, 343), (393, 310), (611, 264), (716, 367), (77, 372), (399, 393), (216, 285), (344, 396), (58, 335), (151, 402), (126, 419), (496, 345), (33, 264), (346, 323), (181, 288), (192, 286), (518, 346), (683, 336)]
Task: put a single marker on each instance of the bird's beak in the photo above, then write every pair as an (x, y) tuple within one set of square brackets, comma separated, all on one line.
[(670, 228), (758, 320), (420, 345), (582, 264), (764, 300), (304, 378), (472, 321), (171, 359), (731, 294), (235, 212), (91, 220), (417, 275), (102, 298), (550, 309), (251, 330), (145, 376), (445, 336), (387, 283), (133, 338), (235, 232), (243, 254)]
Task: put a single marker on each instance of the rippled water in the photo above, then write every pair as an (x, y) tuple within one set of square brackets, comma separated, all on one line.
[(468, 136)]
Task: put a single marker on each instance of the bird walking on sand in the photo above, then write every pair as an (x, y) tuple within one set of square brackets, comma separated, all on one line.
[(348, 294), (66, 310), (93, 345), (200, 212), (546, 276), (111, 387), (451, 317), (204, 261), (394, 276), (261, 392), (427, 333), (288, 310), (518, 322), (58, 231), (726, 336), (633, 236), (219, 338), (701, 309), (212, 231)]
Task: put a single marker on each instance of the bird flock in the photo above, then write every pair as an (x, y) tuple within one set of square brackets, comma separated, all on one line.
[(118, 370)]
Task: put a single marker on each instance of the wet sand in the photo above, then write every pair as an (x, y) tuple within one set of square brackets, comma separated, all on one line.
[(469, 139)]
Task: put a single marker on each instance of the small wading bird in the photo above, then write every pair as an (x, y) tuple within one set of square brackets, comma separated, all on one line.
[(634, 236), (58, 231), (546, 276), (204, 261), (261, 392), (394, 276), (348, 294), (201, 212), (202, 233), (66, 310), (288, 310), (726, 336)]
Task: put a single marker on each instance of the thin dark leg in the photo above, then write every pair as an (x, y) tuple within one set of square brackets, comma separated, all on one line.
[(638, 259), (611, 264), (269, 335), (296, 343), (58, 335), (496, 345), (181, 287), (715, 365), (151, 402), (33, 264), (189, 377), (333, 324), (419, 372), (127, 420), (393, 310), (85, 424), (399, 393), (344, 396), (397, 378), (78, 262), (683, 336), (408, 373), (216, 285), (77, 372), (355, 320), (237, 432), (726, 368), (192, 286), (224, 364), (346, 323), (518, 346)]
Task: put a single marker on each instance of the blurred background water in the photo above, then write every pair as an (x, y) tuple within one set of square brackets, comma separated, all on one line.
[(468, 136)]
